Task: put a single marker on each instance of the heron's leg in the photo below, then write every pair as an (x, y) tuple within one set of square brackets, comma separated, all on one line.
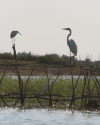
[(70, 56), (74, 60), (14, 40)]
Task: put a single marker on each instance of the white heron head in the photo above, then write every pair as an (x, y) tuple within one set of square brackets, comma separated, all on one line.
[(66, 29)]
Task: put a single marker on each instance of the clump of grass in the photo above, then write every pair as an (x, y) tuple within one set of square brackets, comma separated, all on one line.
[(9, 85), (34, 86)]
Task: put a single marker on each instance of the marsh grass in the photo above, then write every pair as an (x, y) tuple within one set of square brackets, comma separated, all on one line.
[(34, 86)]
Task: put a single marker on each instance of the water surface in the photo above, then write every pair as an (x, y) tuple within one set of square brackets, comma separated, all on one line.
[(10, 116), (63, 77)]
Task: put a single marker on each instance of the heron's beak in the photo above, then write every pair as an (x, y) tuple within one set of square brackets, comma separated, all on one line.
[(64, 28), (19, 33)]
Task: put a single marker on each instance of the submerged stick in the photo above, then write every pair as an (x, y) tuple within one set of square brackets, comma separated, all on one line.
[(3, 75), (19, 78)]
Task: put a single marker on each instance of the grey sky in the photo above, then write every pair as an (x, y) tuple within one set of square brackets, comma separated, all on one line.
[(41, 21)]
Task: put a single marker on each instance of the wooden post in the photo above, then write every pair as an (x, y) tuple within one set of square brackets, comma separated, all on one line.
[(19, 78), (83, 90), (14, 53), (86, 70), (73, 92)]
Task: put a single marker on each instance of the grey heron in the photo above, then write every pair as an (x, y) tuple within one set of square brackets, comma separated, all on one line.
[(72, 45), (13, 34), (46, 85)]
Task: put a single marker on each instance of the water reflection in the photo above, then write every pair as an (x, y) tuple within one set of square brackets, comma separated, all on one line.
[(10, 116)]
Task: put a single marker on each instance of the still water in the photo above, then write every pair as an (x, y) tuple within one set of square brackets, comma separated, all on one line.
[(63, 77), (10, 116)]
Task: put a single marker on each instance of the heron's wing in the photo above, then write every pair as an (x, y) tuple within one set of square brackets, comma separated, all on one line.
[(44, 88), (13, 34), (73, 47)]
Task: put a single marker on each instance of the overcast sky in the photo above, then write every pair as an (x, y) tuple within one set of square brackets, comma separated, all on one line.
[(41, 21)]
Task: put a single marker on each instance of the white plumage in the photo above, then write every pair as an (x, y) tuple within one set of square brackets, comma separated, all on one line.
[(72, 45), (46, 85), (13, 34)]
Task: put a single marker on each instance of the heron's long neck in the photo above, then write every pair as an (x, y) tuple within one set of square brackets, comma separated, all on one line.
[(49, 77), (68, 36)]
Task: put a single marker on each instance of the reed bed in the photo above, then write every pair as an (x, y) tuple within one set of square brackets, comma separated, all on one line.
[(62, 88)]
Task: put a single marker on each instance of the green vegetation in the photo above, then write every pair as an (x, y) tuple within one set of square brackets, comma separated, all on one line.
[(52, 59), (34, 87), (49, 59)]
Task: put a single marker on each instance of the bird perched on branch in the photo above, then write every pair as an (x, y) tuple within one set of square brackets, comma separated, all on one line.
[(13, 34), (46, 85), (72, 45)]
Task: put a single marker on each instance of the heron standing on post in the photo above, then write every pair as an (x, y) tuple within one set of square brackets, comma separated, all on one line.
[(13, 34), (72, 45)]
